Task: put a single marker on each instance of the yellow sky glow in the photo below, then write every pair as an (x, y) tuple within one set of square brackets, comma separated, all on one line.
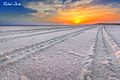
[(87, 15)]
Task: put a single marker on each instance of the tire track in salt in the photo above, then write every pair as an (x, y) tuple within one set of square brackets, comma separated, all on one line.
[(3, 33), (113, 49), (89, 59), (30, 35), (105, 65), (112, 42), (20, 53), (12, 32)]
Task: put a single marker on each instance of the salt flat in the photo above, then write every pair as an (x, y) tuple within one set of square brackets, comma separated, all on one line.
[(64, 53)]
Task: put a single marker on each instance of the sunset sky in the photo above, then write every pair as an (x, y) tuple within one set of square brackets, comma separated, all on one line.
[(60, 11)]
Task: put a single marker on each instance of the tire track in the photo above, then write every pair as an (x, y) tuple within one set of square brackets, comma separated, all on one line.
[(113, 44), (114, 52), (12, 32), (90, 58), (105, 65), (3, 33), (20, 53), (30, 35)]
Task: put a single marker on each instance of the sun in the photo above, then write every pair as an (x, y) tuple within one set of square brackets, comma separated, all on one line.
[(77, 20)]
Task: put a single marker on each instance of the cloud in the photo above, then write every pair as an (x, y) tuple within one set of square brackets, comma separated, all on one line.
[(114, 5), (91, 14), (82, 2), (77, 12), (44, 8)]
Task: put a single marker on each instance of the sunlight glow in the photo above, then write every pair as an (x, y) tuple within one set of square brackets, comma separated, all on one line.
[(77, 20), (87, 15)]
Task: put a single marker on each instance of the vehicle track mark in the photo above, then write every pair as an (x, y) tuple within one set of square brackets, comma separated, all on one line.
[(20, 53), (105, 65), (30, 35)]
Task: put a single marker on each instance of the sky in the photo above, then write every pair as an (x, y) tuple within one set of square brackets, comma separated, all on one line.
[(71, 12)]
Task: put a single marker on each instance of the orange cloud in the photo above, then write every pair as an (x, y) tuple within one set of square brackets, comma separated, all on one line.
[(86, 15)]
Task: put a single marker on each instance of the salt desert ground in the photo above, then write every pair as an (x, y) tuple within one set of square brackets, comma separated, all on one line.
[(60, 53)]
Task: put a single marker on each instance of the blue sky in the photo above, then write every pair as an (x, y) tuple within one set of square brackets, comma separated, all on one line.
[(14, 9), (22, 10)]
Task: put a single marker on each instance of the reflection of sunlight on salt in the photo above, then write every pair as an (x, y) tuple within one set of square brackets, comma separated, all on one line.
[(74, 53), (117, 54), (1, 53), (85, 74), (105, 62), (24, 78), (111, 78), (8, 57), (114, 47)]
